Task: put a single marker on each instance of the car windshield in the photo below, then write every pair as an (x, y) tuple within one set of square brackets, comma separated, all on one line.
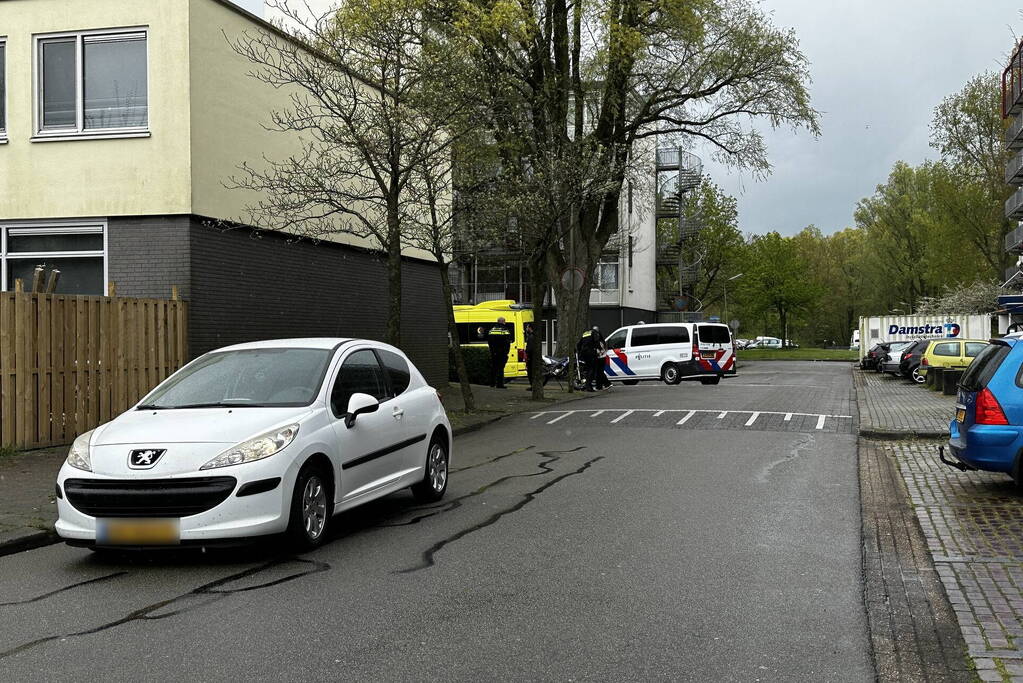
[(251, 378)]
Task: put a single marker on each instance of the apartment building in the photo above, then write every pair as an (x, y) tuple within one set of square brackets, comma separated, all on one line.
[(121, 124)]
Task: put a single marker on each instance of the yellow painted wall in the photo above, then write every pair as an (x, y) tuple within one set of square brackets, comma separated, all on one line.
[(97, 177), (229, 109)]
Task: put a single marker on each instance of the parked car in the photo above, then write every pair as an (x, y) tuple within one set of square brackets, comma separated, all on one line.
[(986, 432), (874, 355), (909, 363), (258, 439), (950, 353), (670, 352), (893, 357), (765, 343)]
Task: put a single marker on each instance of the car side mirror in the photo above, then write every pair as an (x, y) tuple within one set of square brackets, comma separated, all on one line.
[(359, 404)]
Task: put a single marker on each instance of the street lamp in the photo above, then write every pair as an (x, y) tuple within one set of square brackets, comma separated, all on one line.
[(734, 277)]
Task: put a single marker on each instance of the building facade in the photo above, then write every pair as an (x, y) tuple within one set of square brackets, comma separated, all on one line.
[(121, 125)]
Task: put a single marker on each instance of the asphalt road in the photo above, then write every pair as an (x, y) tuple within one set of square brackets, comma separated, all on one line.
[(579, 545)]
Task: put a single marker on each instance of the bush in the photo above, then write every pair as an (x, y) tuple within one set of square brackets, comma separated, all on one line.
[(477, 363)]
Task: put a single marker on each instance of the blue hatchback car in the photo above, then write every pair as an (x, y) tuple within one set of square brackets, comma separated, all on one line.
[(986, 432)]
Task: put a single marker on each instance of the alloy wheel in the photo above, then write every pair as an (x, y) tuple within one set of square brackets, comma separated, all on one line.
[(314, 507), (438, 467)]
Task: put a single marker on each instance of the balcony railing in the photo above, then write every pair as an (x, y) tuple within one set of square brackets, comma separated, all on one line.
[(673, 158), (1014, 133), (1012, 271), (605, 296), (1014, 170), (1014, 205), (1014, 241)]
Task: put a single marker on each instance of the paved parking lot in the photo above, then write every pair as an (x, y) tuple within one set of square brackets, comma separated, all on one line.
[(895, 407), (701, 419), (973, 526)]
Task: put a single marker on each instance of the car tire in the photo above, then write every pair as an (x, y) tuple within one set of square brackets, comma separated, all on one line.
[(710, 380), (630, 382), (915, 375), (435, 475), (312, 504), (670, 374)]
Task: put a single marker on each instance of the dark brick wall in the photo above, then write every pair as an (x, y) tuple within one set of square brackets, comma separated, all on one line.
[(247, 286), (148, 255), (610, 319)]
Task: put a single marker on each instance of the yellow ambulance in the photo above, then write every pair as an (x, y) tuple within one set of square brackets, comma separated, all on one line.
[(474, 322)]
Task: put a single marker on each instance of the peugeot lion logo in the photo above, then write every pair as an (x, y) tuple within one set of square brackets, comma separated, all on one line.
[(144, 458)]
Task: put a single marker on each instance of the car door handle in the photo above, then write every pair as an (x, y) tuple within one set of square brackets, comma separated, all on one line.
[(398, 413)]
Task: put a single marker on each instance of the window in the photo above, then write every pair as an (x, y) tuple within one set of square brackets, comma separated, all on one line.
[(616, 340), (946, 349), (92, 83), (715, 334), (644, 336), (75, 250), (360, 374), (974, 348), (397, 371), (606, 276), (672, 335), (3, 90)]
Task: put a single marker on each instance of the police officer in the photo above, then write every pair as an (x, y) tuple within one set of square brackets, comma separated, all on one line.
[(499, 341), (589, 348)]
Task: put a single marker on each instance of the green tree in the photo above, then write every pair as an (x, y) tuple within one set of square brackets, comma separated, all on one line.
[(582, 89), (776, 280)]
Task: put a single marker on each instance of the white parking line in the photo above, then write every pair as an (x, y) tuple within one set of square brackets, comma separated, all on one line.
[(561, 417), (597, 413), (788, 417), (659, 413), (820, 422), (622, 416), (752, 419), (538, 415), (722, 414), (688, 415)]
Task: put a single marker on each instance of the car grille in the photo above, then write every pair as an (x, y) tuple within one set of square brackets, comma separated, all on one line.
[(147, 497)]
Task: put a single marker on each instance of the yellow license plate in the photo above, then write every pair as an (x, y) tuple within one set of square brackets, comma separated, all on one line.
[(139, 531), (961, 415)]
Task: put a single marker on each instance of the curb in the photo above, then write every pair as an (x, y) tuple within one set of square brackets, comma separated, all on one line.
[(900, 435), (489, 421), (28, 542)]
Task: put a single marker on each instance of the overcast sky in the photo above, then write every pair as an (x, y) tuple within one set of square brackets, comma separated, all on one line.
[(879, 68)]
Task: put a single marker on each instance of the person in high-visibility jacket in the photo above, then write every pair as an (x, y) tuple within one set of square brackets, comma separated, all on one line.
[(590, 350), (499, 339)]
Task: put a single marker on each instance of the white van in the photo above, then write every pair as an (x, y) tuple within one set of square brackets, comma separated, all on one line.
[(854, 342), (670, 352)]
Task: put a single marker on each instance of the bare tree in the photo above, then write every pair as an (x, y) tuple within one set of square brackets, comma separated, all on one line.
[(362, 106)]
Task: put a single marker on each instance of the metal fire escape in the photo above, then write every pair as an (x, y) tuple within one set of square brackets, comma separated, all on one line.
[(679, 172)]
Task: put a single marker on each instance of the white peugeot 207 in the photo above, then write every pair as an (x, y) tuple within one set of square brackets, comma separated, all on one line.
[(256, 440)]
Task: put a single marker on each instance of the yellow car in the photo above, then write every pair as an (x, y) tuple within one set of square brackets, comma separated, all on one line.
[(950, 353)]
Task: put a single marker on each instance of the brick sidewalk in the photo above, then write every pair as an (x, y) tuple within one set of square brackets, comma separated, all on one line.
[(973, 525), (892, 407)]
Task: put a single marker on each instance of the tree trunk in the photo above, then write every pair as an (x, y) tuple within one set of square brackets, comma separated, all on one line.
[(537, 288), (573, 310), (393, 274), (456, 346)]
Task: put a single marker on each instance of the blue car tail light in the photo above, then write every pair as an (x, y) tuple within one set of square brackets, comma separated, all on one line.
[(988, 409)]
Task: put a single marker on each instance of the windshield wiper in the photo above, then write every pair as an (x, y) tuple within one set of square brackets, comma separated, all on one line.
[(212, 404), (152, 406)]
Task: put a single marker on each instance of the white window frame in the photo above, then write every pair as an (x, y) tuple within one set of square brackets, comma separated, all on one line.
[(71, 227), (3, 93), (79, 132)]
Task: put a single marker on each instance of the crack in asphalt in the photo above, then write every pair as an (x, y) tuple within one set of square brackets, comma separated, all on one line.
[(456, 503), (43, 596), (552, 456), (212, 589), (807, 442)]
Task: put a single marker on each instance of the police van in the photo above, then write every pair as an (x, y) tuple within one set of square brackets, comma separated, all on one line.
[(670, 352)]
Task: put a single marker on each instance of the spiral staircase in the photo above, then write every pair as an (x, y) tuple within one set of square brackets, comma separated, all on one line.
[(679, 172)]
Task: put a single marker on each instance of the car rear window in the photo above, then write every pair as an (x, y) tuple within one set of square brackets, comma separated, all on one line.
[(984, 366), (715, 334), (973, 348)]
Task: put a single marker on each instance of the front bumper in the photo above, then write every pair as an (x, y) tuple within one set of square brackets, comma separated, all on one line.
[(260, 514)]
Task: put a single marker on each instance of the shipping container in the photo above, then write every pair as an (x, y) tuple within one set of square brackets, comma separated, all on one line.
[(888, 328)]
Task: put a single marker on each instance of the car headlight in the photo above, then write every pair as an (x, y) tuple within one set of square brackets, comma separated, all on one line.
[(254, 449), (78, 456)]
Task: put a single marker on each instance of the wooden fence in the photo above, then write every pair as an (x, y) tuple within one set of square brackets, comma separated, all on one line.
[(70, 363)]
